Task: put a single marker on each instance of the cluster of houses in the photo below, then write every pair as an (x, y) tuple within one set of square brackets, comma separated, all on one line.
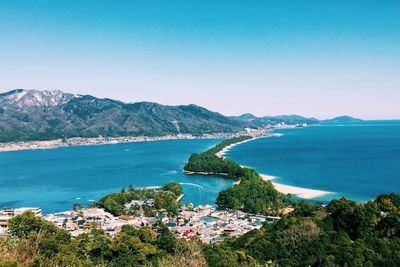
[(211, 225), (7, 213), (79, 222), (100, 140), (204, 221)]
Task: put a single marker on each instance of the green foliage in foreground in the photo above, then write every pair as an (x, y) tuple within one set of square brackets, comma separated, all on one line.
[(342, 234), (35, 242), (165, 198)]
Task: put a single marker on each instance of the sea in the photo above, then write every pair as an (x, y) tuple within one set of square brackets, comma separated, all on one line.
[(55, 179), (357, 161)]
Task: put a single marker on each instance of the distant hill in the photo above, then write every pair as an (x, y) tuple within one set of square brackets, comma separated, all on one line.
[(246, 117), (253, 121), (43, 115), (342, 120)]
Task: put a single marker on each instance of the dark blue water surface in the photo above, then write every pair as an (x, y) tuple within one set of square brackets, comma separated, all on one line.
[(357, 161), (54, 179)]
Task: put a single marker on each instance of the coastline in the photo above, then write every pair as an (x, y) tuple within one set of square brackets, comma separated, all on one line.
[(89, 141), (221, 153), (301, 192)]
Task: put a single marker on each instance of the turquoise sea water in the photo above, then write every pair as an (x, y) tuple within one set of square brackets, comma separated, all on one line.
[(54, 179), (357, 161)]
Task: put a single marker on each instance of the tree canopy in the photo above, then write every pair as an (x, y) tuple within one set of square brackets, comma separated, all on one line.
[(252, 194), (164, 198)]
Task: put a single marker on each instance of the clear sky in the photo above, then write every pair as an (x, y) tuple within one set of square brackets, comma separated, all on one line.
[(317, 58)]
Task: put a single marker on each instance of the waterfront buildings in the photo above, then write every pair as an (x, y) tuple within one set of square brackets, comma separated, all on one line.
[(203, 221), (7, 213)]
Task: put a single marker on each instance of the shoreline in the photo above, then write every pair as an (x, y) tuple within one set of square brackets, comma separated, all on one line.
[(221, 153), (301, 192), (89, 141)]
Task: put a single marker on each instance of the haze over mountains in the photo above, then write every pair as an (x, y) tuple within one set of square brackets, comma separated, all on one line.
[(43, 115)]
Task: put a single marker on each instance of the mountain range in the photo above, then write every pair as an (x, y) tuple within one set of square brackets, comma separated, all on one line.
[(52, 114)]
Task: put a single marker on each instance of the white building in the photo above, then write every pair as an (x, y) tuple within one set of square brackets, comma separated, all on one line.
[(4, 224)]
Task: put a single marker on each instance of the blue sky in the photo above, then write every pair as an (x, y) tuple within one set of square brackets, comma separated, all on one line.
[(313, 58)]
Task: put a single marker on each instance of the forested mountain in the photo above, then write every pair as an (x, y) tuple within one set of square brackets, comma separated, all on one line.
[(41, 115)]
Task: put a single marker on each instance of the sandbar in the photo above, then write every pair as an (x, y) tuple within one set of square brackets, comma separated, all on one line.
[(300, 192), (305, 193)]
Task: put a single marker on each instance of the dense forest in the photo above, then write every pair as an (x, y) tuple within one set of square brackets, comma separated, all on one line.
[(343, 233)]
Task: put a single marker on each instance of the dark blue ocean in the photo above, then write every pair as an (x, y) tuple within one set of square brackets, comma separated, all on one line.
[(358, 161), (55, 179)]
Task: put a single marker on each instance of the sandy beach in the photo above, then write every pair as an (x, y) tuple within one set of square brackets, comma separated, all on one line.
[(4, 147), (301, 192), (226, 149), (84, 141)]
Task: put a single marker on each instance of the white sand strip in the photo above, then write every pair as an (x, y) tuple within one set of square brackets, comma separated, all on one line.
[(301, 192), (221, 153)]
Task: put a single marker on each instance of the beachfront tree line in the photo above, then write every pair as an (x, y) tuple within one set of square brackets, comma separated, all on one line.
[(208, 162), (252, 194)]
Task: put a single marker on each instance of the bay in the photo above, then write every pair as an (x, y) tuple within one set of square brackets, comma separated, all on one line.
[(55, 179)]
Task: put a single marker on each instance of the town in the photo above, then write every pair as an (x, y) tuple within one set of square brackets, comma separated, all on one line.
[(102, 140), (204, 222)]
